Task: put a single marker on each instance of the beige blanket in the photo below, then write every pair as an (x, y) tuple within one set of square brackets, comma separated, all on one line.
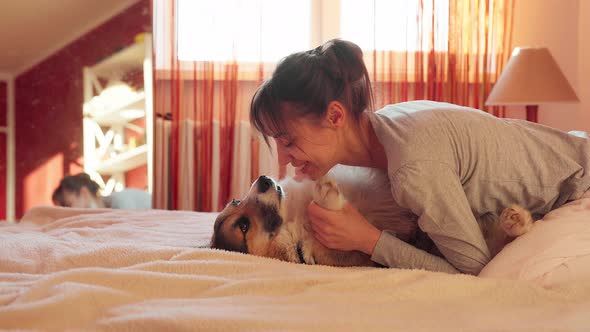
[(142, 271)]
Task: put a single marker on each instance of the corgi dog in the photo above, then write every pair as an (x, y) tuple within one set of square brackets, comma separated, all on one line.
[(271, 221)]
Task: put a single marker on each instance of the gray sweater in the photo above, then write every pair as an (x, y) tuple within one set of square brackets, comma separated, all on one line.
[(453, 166)]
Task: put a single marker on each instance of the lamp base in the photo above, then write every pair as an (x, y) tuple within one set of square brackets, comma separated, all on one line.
[(531, 113)]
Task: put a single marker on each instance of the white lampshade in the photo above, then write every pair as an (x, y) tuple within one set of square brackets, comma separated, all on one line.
[(531, 77)]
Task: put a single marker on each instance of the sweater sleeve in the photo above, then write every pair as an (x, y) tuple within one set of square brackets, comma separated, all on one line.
[(393, 252), (433, 191)]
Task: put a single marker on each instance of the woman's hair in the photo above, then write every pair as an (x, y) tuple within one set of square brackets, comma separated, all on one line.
[(73, 183), (306, 82)]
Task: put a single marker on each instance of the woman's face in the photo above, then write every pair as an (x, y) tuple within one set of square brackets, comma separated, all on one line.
[(309, 146)]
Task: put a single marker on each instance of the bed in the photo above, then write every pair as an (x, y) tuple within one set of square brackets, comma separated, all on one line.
[(113, 270)]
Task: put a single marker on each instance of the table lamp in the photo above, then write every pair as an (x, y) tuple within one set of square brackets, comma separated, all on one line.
[(531, 77)]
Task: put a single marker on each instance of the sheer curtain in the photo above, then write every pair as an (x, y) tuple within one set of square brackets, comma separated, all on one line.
[(444, 50), (210, 56)]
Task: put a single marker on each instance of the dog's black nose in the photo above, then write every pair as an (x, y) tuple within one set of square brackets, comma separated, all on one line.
[(264, 183)]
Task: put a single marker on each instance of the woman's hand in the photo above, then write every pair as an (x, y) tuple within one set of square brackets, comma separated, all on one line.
[(343, 230)]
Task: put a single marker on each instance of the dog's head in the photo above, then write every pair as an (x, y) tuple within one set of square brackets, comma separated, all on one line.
[(249, 225)]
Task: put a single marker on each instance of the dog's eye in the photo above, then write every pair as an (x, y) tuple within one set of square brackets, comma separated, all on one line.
[(244, 224), (235, 202)]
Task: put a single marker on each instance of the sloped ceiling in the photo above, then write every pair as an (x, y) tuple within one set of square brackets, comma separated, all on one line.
[(35, 29)]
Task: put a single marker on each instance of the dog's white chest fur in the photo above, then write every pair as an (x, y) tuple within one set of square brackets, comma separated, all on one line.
[(368, 190)]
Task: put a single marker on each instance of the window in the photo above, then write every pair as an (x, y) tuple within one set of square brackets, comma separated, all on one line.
[(395, 25), (267, 30), (244, 30)]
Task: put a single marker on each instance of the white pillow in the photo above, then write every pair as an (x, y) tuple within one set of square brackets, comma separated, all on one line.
[(579, 133), (555, 251)]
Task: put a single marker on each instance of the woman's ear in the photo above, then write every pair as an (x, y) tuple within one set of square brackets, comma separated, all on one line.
[(336, 114)]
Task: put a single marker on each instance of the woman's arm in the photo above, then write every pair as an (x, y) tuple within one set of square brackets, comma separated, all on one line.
[(347, 229), (433, 191), (393, 252)]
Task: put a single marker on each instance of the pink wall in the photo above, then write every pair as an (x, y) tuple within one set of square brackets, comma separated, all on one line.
[(583, 88), (561, 26), (49, 100), (3, 111)]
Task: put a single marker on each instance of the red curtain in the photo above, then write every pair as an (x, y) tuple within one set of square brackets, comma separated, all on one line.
[(453, 58), (201, 108), (205, 152)]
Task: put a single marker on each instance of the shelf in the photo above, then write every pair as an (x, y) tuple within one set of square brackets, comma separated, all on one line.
[(117, 115), (113, 112), (125, 161), (126, 59)]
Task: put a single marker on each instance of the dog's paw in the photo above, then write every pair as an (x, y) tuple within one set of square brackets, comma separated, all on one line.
[(516, 221), (327, 195)]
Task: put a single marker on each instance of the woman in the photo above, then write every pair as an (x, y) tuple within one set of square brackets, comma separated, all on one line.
[(79, 191), (451, 166)]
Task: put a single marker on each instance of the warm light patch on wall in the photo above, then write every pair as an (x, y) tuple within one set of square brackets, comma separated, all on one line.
[(40, 183)]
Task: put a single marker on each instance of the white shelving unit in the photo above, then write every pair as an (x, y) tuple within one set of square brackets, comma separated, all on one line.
[(125, 161), (107, 153), (116, 115), (9, 131)]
